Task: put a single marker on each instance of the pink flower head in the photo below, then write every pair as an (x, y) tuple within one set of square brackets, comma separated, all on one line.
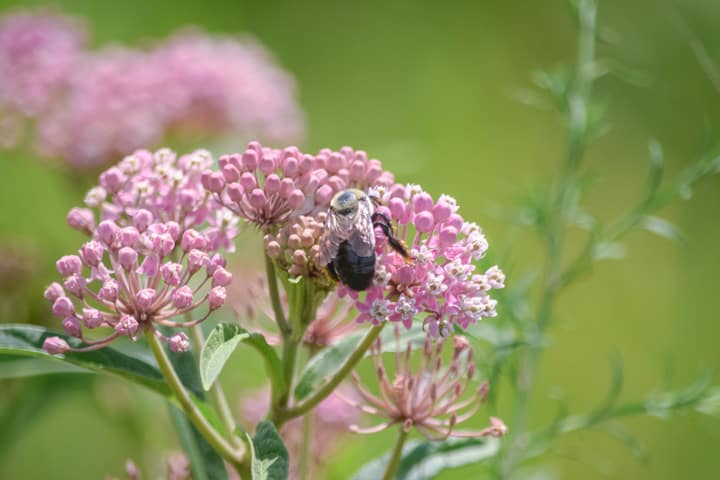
[(120, 99), (38, 54), (148, 188), (433, 398), (269, 187), (132, 286), (439, 282)]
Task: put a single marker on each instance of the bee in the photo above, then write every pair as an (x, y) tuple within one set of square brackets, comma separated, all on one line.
[(347, 247)]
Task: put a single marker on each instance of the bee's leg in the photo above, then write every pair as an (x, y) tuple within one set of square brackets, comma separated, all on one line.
[(331, 271), (396, 244)]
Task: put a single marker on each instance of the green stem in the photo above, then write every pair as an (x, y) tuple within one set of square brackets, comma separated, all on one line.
[(216, 392), (322, 393), (305, 447), (275, 297), (234, 456), (396, 455)]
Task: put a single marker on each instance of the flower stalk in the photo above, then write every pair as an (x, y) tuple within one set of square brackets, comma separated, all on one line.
[(396, 455)]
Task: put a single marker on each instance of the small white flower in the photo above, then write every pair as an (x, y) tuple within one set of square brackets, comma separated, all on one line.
[(95, 196), (450, 201), (435, 284), (379, 310), (405, 307)]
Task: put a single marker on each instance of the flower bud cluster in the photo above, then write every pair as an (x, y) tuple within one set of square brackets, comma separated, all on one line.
[(295, 247), (440, 281), (148, 187), (432, 396), (268, 187), (128, 279)]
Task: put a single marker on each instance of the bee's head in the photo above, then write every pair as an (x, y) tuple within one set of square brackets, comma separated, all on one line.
[(345, 202)]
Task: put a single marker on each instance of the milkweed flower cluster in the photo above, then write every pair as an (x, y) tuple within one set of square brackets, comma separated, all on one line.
[(150, 187), (432, 398), (127, 279), (38, 53), (268, 187), (440, 282), (91, 106)]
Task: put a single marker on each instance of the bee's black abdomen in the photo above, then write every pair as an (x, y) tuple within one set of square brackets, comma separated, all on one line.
[(353, 270)]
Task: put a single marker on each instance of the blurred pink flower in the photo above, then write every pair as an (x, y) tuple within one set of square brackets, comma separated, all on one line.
[(39, 52)]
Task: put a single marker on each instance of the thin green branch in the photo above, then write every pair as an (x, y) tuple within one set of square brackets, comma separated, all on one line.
[(275, 297), (396, 456), (282, 415), (234, 456)]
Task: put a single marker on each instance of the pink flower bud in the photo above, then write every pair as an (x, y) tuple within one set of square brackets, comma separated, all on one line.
[(448, 236), (273, 249), (182, 297), (212, 181), (296, 199), (294, 241), (456, 221), (112, 179), (357, 170), (424, 221), (306, 164), (92, 318), (272, 184), (142, 219), (69, 265), (129, 236), (149, 266), (235, 192), (287, 185), (127, 257), (257, 198), (54, 291), (192, 240), (106, 232), (300, 258), (397, 209), (72, 326), (163, 244), (442, 211), (197, 259), (55, 345), (92, 253), (323, 195), (248, 181), (291, 167), (404, 275), (335, 162), (144, 299), (179, 343), (173, 229), (81, 219), (373, 173), (221, 277), (171, 273), (216, 297), (230, 173), (127, 325), (422, 202), (75, 284), (63, 307), (267, 164), (250, 159), (109, 291)]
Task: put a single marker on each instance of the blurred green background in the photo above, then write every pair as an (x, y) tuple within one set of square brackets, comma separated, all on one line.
[(430, 89)]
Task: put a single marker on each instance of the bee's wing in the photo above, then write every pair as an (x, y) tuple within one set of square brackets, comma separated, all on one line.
[(362, 236), (331, 239)]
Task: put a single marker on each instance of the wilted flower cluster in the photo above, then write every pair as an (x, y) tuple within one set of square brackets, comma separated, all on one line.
[(439, 282), (267, 187), (127, 279), (433, 398), (150, 187), (92, 106), (38, 52)]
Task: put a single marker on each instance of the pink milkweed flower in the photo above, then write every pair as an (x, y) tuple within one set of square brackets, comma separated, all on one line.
[(39, 52), (268, 187), (158, 186), (121, 99), (130, 279), (433, 397), (440, 281)]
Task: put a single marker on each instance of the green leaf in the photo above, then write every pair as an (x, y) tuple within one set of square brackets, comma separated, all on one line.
[(27, 340), (270, 458), (221, 343), (423, 460), (20, 367), (205, 463), (663, 228)]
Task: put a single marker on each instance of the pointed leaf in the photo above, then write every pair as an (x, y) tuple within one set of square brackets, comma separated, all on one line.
[(423, 460), (221, 343), (270, 458), (27, 340)]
